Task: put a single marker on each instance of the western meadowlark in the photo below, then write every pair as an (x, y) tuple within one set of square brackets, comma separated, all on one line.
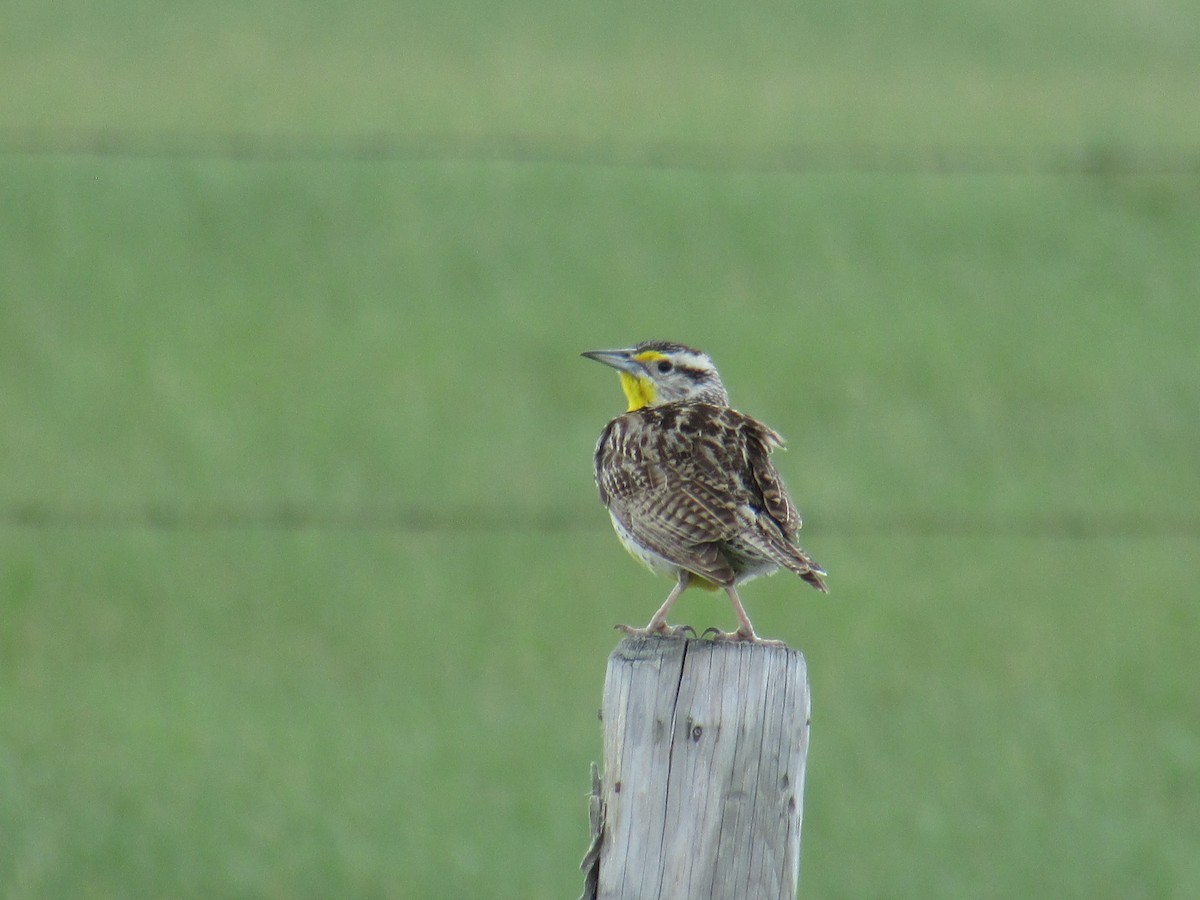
[(689, 483)]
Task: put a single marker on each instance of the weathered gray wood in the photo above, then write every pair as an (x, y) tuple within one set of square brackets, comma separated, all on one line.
[(704, 751)]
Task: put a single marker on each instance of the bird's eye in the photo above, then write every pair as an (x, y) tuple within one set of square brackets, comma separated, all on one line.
[(664, 366)]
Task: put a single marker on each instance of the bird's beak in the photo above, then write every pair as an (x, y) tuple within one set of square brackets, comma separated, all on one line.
[(621, 360)]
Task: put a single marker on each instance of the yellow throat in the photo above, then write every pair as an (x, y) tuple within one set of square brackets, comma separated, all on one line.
[(639, 390)]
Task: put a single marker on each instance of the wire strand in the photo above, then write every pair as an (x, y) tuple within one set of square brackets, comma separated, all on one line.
[(287, 517), (855, 157)]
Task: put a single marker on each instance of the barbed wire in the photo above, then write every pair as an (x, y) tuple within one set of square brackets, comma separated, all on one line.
[(287, 517), (861, 157)]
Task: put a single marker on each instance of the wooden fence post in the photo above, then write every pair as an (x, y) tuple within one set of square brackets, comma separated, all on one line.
[(704, 751)]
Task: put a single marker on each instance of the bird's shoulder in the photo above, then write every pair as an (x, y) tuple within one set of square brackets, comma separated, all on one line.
[(674, 432), (671, 434), (699, 448)]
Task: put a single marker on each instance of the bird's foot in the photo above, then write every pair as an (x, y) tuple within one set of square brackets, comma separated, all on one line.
[(658, 630), (741, 635)]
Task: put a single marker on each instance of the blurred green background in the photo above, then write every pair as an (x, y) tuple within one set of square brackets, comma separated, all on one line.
[(304, 587)]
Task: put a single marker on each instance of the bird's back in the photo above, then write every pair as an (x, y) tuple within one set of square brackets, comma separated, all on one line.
[(694, 484)]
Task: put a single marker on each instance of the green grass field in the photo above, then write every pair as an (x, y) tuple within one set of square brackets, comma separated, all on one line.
[(304, 587)]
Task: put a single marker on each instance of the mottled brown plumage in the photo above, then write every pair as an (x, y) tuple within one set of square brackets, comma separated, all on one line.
[(689, 483)]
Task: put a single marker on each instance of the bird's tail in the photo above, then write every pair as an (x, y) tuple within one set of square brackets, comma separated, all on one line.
[(796, 560), (813, 577)]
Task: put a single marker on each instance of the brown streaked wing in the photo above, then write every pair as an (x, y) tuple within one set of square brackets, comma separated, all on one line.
[(768, 483), (652, 482)]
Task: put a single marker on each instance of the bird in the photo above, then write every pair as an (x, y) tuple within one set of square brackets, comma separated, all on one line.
[(689, 483)]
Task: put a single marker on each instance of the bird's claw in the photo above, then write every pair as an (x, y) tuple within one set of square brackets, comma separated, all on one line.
[(664, 631), (740, 637)]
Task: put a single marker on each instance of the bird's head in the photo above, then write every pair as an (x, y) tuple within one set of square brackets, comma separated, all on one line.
[(658, 372)]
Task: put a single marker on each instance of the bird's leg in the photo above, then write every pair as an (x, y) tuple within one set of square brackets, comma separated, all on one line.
[(658, 622), (745, 631)]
